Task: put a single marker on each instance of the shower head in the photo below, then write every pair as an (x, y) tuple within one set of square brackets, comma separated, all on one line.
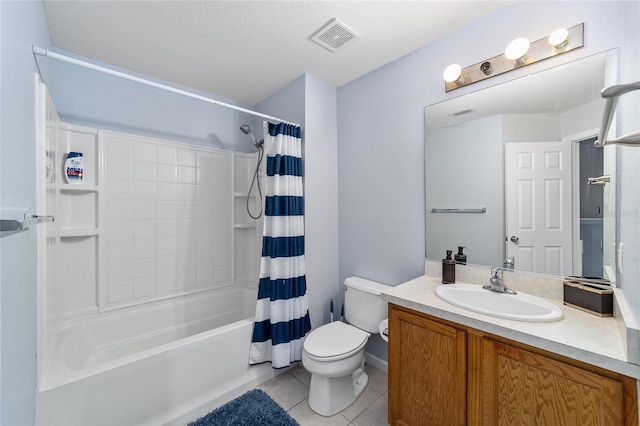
[(247, 131)]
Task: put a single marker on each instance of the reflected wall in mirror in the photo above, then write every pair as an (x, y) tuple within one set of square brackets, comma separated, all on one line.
[(523, 150)]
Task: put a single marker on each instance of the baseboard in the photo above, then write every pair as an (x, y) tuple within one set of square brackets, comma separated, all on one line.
[(379, 363)]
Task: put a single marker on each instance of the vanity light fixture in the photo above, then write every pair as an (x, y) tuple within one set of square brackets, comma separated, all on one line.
[(519, 53), (486, 68), (517, 50), (452, 73), (559, 39)]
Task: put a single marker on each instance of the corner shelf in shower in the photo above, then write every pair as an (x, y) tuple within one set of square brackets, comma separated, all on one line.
[(244, 225), (74, 233), (70, 187), (247, 232), (78, 223)]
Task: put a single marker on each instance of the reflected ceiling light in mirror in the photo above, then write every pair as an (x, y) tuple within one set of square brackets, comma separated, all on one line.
[(559, 39), (517, 50), (518, 54), (452, 73)]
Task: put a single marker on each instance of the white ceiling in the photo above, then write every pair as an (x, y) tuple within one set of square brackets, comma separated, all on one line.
[(246, 50)]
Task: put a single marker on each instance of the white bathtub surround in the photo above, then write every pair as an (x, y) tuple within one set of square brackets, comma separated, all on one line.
[(580, 335), (147, 292), (143, 366), (168, 219)]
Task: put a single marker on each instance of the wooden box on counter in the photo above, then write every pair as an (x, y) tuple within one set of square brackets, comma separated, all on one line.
[(588, 298)]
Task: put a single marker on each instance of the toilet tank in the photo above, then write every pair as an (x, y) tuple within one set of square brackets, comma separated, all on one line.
[(363, 306)]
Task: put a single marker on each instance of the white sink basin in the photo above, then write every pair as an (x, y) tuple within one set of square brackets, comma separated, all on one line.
[(519, 307)]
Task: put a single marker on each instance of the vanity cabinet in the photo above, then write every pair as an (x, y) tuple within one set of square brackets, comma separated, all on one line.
[(427, 371), (442, 373), (525, 388)]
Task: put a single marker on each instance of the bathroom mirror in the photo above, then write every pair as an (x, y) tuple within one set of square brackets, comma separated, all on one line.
[(506, 172)]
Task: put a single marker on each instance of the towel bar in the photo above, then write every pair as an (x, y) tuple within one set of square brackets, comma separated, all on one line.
[(611, 95), (600, 180), (11, 225), (477, 210)]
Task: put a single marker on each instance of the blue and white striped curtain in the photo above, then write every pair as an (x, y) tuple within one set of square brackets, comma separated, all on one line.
[(282, 312)]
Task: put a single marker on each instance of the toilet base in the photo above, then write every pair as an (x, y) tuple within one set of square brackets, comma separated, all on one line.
[(330, 395)]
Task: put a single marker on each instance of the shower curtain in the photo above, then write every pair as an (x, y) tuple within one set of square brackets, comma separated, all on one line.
[(282, 312)]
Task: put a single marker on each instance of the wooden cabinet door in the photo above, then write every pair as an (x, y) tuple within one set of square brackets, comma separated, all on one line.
[(427, 371), (524, 388)]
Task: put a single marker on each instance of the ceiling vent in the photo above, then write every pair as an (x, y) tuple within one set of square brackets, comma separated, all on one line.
[(335, 36)]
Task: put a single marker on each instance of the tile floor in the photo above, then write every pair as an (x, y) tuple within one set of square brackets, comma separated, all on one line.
[(291, 391)]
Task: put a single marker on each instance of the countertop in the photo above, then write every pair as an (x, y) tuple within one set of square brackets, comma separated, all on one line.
[(580, 335)]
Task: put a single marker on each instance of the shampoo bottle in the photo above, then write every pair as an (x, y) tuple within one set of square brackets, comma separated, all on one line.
[(74, 167), (448, 269)]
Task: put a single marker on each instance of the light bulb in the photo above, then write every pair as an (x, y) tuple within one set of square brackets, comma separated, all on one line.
[(517, 49), (452, 73), (559, 38)]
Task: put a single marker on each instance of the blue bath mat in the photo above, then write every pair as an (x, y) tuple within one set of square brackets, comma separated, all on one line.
[(254, 408)]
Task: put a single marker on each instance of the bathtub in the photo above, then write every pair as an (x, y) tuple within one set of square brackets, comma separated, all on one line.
[(162, 364)]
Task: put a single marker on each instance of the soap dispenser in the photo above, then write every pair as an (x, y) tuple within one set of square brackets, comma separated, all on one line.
[(461, 258), (448, 269)]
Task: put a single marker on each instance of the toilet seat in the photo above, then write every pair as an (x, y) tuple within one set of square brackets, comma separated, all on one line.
[(334, 341)]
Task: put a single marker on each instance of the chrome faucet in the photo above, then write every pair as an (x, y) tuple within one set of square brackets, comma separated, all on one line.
[(496, 284)]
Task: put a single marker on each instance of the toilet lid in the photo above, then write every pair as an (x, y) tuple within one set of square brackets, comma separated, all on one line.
[(334, 339)]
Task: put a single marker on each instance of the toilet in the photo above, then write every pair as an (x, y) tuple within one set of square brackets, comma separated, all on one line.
[(334, 353)]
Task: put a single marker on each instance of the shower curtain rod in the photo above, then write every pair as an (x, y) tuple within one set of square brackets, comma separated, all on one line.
[(49, 54)]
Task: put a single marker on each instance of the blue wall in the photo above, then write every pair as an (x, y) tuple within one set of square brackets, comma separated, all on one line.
[(321, 199), (22, 24), (91, 98), (379, 178), (312, 103), (628, 120), (380, 132), (381, 129)]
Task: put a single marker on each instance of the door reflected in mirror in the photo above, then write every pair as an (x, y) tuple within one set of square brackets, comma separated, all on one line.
[(524, 151)]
